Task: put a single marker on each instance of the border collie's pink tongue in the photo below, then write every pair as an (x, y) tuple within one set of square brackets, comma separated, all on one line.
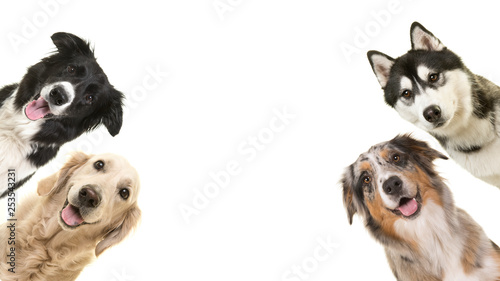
[(409, 207), (37, 109), (71, 216)]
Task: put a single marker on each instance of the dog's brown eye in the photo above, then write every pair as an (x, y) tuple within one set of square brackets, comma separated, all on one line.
[(406, 94), (124, 193), (71, 69), (367, 179), (433, 77), (396, 158), (89, 99), (98, 165)]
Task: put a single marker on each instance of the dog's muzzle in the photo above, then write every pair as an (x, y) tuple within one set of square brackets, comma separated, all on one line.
[(393, 186), (53, 100), (88, 197), (81, 206), (432, 114), (58, 96), (408, 205)]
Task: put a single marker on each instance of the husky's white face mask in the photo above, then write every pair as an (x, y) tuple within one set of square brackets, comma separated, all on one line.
[(428, 86)]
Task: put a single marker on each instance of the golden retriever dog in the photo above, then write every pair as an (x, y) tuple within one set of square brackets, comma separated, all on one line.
[(82, 210)]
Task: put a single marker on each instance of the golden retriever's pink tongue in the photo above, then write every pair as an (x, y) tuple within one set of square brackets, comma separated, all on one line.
[(409, 208), (37, 109), (71, 215)]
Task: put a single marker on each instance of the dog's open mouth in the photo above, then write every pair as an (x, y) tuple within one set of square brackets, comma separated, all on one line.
[(71, 216), (38, 108), (408, 207)]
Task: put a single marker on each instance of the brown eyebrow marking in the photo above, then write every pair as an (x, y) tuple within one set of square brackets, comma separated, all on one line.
[(365, 166), (384, 153)]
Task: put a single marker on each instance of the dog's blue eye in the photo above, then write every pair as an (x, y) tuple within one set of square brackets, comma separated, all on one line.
[(406, 94)]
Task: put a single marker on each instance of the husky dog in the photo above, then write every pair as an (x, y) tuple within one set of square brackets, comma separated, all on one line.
[(430, 87)]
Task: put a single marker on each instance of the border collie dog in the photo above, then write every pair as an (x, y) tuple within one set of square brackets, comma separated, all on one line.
[(408, 208), (58, 99)]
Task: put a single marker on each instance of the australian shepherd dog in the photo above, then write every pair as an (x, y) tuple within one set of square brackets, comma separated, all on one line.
[(408, 208)]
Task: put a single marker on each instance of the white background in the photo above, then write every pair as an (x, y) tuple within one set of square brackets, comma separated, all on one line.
[(222, 77)]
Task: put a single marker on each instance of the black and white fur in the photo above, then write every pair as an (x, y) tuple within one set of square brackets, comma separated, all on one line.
[(430, 87), (58, 99)]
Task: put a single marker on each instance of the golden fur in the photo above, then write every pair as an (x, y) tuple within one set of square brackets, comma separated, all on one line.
[(46, 248)]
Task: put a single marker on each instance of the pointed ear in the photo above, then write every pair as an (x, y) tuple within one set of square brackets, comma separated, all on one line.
[(347, 190), (115, 236), (54, 183), (422, 39), (114, 118), (381, 65), (68, 43)]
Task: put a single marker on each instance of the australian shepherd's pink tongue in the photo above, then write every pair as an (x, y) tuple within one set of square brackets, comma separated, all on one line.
[(409, 207), (37, 109), (71, 216)]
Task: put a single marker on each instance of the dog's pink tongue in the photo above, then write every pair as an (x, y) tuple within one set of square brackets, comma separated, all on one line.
[(37, 109), (71, 215), (409, 208)]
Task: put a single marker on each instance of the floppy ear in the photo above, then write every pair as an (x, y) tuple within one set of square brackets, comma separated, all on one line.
[(418, 148), (115, 236), (114, 118), (55, 182), (381, 65), (347, 186), (47, 184), (68, 43), (422, 39)]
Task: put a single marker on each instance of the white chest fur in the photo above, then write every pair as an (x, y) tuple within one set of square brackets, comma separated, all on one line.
[(442, 246), (485, 162), (16, 132)]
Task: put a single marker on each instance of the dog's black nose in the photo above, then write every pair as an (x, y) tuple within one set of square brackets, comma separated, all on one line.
[(88, 197), (57, 96), (432, 113), (393, 185)]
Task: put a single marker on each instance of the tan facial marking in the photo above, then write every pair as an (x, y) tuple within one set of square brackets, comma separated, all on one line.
[(384, 154), (384, 217), (365, 166)]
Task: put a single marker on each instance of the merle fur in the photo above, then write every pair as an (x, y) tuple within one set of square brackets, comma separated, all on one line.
[(417, 152)]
